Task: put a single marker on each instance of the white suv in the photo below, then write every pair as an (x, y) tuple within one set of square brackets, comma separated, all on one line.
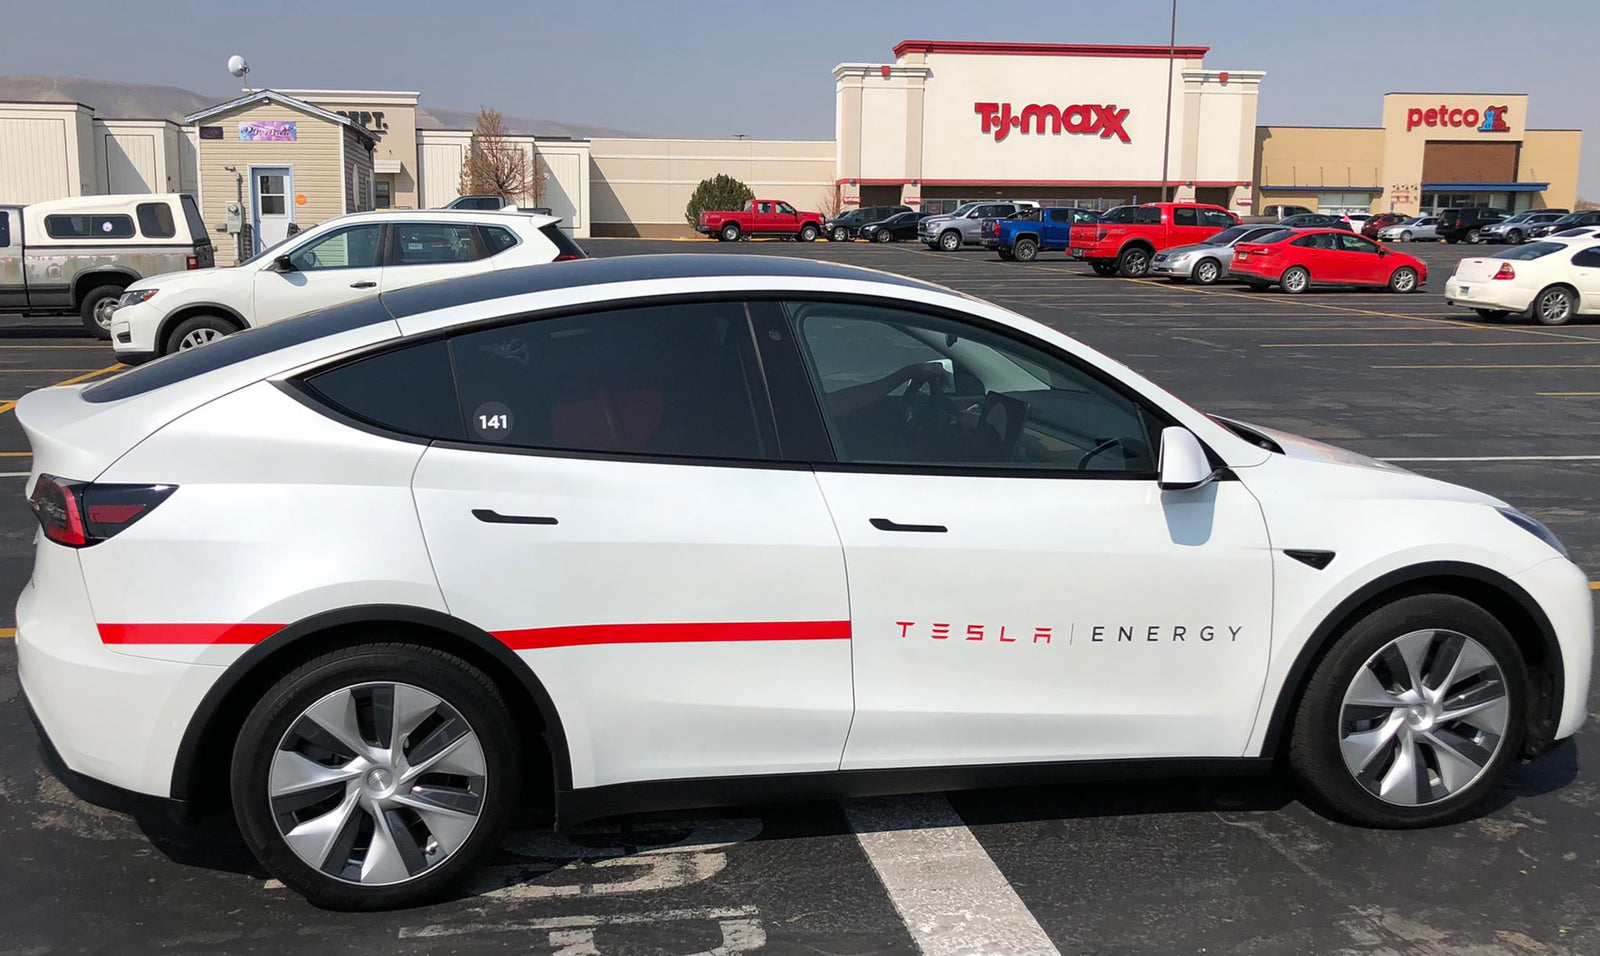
[(338, 261)]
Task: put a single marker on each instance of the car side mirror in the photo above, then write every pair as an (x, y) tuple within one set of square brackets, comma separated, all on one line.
[(1184, 464), (284, 264)]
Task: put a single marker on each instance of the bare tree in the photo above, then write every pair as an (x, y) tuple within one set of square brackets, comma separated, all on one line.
[(496, 166), (832, 204), (1585, 204)]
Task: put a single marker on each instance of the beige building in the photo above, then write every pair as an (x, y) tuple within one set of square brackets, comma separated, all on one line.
[(289, 164), (1083, 123), (1434, 150), (564, 164), (55, 150), (391, 118)]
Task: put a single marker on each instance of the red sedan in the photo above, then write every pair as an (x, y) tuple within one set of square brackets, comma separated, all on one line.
[(1301, 258)]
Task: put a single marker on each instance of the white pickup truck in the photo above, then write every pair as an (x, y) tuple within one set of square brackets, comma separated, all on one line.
[(77, 255)]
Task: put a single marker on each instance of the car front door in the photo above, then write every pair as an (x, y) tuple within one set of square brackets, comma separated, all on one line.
[(1586, 276), (761, 221), (1020, 588), (784, 219), (426, 251), (1361, 261), (326, 270), (616, 513)]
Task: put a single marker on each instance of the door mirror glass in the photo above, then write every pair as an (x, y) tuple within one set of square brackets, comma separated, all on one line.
[(284, 264), (1183, 461)]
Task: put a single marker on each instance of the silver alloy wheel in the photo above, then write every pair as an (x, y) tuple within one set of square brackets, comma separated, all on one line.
[(1405, 279), (950, 241), (1423, 717), (1296, 279), (377, 783), (1405, 237), (198, 338), (839, 235), (1554, 307), (102, 311), (1206, 272)]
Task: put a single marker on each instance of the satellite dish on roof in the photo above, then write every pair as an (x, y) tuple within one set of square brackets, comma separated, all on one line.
[(237, 65)]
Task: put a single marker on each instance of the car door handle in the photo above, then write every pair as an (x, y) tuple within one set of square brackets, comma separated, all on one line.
[(884, 524), (490, 516), (363, 284)]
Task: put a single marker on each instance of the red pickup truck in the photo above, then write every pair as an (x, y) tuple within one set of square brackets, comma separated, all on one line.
[(761, 217), (1127, 237)]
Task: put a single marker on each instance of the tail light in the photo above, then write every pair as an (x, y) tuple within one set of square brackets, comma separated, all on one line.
[(191, 262), (1506, 272), (78, 514), (567, 257)]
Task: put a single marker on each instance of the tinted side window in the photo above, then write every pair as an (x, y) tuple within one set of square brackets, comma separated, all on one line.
[(1148, 215), (905, 388), (5, 228), (424, 243), (155, 220), (1588, 258), (408, 390), (191, 215), (671, 380), (1354, 243), (498, 238), (1183, 216), (1216, 218), (89, 227), (1319, 240), (355, 247), (1061, 215)]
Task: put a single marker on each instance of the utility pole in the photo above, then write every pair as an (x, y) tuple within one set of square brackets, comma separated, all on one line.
[(1166, 140)]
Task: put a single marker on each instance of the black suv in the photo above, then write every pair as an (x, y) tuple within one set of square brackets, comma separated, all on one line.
[(1587, 217), (847, 225), (1314, 220), (1466, 222)]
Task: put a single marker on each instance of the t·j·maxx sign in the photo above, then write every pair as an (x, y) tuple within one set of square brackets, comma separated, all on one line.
[(1079, 118)]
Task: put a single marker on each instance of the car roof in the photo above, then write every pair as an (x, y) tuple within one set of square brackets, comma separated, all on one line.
[(505, 283), (443, 215)]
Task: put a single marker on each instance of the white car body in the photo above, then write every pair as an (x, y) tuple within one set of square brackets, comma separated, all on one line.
[(259, 292), (677, 619), (1474, 284), (1356, 220), (1412, 230)]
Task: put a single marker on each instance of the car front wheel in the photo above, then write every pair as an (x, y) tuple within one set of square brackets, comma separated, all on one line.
[(376, 776), (1404, 280), (199, 330), (840, 235), (1206, 272), (950, 241), (1413, 715)]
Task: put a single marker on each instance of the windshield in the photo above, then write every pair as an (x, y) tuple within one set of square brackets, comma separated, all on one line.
[(1231, 235), (1574, 232), (1567, 220), (1532, 250), (963, 209), (1121, 214), (1276, 235), (270, 252)]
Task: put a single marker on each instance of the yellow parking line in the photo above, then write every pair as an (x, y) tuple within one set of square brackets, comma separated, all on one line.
[(1594, 585), (6, 632), (16, 454), (9, 404)]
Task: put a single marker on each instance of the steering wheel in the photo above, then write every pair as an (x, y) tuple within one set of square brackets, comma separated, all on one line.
[(1100, 448)]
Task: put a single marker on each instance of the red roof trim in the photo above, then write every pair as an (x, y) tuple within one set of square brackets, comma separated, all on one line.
[(1035, 182), (1046, 49)]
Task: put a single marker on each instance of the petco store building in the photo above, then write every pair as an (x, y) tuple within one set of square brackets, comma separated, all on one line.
[(1072, 123)]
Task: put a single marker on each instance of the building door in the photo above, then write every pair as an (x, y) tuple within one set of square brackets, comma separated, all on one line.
[(270, 187)]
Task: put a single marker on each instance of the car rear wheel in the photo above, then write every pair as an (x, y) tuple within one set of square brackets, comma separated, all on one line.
[(1025, 250), (1134, 263), (1103, 268), (1005, 255), (1492, 315), (1554, 306), (376, 776), (1295, 280), (730, 232), (950, 241), (198, 330), (1206, 272), (1404, 280), (96, 310), (1413, 715)]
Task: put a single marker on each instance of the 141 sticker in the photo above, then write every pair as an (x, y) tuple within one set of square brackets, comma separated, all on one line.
[(491, 421)]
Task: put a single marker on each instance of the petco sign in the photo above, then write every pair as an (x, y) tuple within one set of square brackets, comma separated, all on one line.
[(1491, 120), (1080, 118)]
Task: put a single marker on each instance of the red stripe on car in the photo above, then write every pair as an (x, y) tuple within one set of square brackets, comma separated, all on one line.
[(187, 633), (588, 634)]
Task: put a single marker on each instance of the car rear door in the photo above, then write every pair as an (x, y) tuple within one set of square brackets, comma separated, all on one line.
[(761, 220), (335, 267), (1020, 589), (617, 513), (1186, 226), (1586, 277), (428, 251)]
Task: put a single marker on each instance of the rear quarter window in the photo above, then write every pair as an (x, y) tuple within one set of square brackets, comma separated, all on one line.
[(89, 226), (5, 228), (155, 220), (409, 390), (565, 247)]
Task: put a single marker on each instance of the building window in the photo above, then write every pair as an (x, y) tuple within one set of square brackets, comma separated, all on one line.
[(382, 198), (1339, 204)]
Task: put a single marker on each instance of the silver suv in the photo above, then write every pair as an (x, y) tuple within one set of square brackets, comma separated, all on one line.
[(960, 227)]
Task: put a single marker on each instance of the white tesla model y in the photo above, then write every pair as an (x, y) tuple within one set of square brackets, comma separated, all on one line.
[(661, 531)]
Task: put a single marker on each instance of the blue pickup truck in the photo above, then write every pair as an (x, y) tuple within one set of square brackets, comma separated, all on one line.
[(1031, 231)]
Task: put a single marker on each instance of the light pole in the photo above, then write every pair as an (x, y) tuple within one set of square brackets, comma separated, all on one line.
[(1166, 139)]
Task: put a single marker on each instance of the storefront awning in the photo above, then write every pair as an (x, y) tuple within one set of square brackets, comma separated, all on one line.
[(384, 167), (1484, 187), (1322, 189)]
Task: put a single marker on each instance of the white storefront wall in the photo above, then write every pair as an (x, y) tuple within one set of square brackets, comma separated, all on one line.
[(565, 163)]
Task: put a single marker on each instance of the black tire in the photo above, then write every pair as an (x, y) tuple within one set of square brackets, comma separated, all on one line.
[(950, 240), (809, 232), (730, 232), (1474, 236), (1005, 256), (1514, 237), (1103, 268), (96, 308), (1404, 281), (1206, 272), (883, 235), (840, 234), (1554, 306), (197, 326), (1405, 237), (1296, 280), (473, 696), (1134, 263), (1257, 286), (1492, 315), (1314, 743), (1025, 250)]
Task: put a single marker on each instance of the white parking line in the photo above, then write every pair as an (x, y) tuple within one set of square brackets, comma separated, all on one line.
[(951, 896), (1504, 458)]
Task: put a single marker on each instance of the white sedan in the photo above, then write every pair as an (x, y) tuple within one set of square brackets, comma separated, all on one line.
[(663, 530), (1551, 280), (1414, 229), (341, 260)]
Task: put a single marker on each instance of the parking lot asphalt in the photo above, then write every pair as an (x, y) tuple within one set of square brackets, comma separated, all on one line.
[(1233, 866)]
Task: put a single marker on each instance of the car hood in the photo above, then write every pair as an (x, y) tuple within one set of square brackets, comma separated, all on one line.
[(938, 220), (1378, 478), (186, 279), (1177, 251)]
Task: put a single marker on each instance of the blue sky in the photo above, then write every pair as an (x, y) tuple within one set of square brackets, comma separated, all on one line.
[(763, 68)]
